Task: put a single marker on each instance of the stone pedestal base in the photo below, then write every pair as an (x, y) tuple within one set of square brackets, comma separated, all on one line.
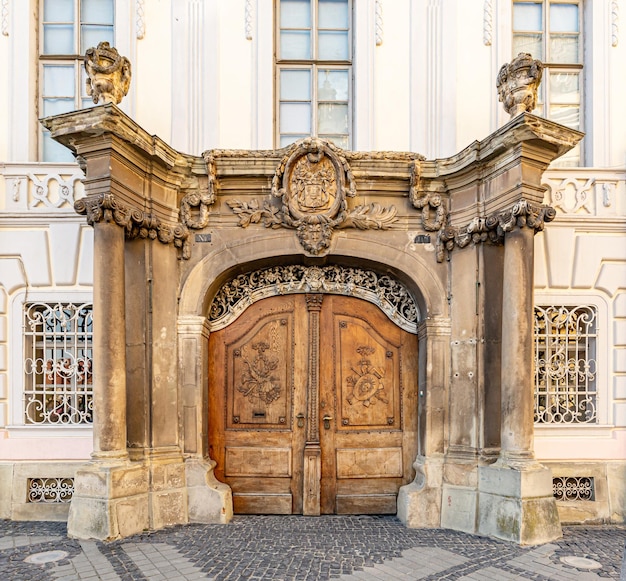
[(210, 501), (516, 504), (168, 492), (110, 501), (419, 503)]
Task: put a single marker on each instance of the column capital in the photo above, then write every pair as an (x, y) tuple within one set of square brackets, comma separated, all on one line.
[(523, 214), (136, 223)]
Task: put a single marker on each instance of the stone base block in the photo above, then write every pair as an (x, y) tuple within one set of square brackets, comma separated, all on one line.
[(517, 504), (419, 503), (168, 493), (209, 500), (458, 508), (109, 502)]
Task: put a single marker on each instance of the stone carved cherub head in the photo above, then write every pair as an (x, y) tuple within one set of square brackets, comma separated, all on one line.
[(108, 74)]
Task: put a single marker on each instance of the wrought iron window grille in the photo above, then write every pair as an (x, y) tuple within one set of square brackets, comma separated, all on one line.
[(572, 488), (50, 490), (565, 364), (58, 364)]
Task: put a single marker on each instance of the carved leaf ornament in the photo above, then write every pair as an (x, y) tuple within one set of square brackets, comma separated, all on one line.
[(313, 182), (391, 296)]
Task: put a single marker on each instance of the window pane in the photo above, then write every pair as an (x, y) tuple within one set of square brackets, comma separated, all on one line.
[(527, 16), (295, 85), (332, 118), (286, 140), (563, 18), (332, 85), (295, 45), (333, 14), (568, 116), (295, 14), (96, 11), (339, 140), (58, 81), (58, 11), (93, 35), (564, 49), (295, 118), (333, 46), (53, 151), (564, 88), (530, 43), (57, 106), (58, 39)]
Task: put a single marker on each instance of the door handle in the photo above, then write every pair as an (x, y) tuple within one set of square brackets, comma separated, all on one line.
[(300, 417), (326, 419)]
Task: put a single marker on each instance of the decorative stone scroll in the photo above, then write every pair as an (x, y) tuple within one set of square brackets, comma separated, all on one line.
[(313, 181), (391, 296), (426, 201), (108, 74), (492, 228), (518, 82), (201, 198), (136, 223)]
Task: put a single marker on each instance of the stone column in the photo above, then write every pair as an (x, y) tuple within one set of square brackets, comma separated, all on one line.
[(110, 493), (516, 436), (515, 493), (109, 340)]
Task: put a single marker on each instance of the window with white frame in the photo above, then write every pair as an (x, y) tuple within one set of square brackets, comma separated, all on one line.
[(566, 364), (551, 32), (68, 29), (314, 71), (58, 368)]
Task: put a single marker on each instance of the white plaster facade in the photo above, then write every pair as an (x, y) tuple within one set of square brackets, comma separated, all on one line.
[(423, 81)]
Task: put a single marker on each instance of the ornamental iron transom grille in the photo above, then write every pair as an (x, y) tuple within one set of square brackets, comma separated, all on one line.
[(565, 365), (50, 490), (58, 369), (572, 488)]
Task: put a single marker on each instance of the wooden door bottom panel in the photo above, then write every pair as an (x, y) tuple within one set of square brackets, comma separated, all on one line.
[(257, 461), (366, 504), (369, 462), (368, 487), (266, 503)]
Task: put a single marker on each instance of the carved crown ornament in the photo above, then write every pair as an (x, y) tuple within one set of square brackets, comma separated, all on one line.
[(108, 74), (517, 84), (136, 223), (313, 182)]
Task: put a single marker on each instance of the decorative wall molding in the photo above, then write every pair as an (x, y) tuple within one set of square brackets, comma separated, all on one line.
[(571, 195), (5, 17), (488, 23), (379, 22), (614, 23), (42, 190), (140, 22), (249, 19), (391, 296), (492, 228), (136, 223)]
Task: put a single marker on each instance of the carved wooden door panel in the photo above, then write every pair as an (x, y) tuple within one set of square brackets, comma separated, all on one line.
[(255, 393), (368, 408), (313, 406)]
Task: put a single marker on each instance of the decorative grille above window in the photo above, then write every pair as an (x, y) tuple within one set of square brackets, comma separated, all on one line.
[(50, 490), (58, 368), (572, 488), (565, 365)]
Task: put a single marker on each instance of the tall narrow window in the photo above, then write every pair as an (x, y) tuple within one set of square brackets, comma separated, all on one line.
[(565, 365), (58, 367), (68, 29), (551, 32), (314, 71)]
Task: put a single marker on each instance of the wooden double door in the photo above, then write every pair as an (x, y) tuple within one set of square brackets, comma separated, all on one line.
[(313, 406)]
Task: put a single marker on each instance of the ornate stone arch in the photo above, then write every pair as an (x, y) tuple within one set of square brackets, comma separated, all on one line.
[(390, 295)]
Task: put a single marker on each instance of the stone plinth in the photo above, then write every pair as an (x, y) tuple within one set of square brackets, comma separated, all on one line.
[(516, 504), (210, 501), (110, 501)]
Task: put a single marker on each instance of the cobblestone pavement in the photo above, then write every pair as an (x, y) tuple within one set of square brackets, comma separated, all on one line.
[(348, 548)]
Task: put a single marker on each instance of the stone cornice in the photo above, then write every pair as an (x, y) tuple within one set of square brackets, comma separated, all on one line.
[(492, 228), (136, 223), (75, 127)]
